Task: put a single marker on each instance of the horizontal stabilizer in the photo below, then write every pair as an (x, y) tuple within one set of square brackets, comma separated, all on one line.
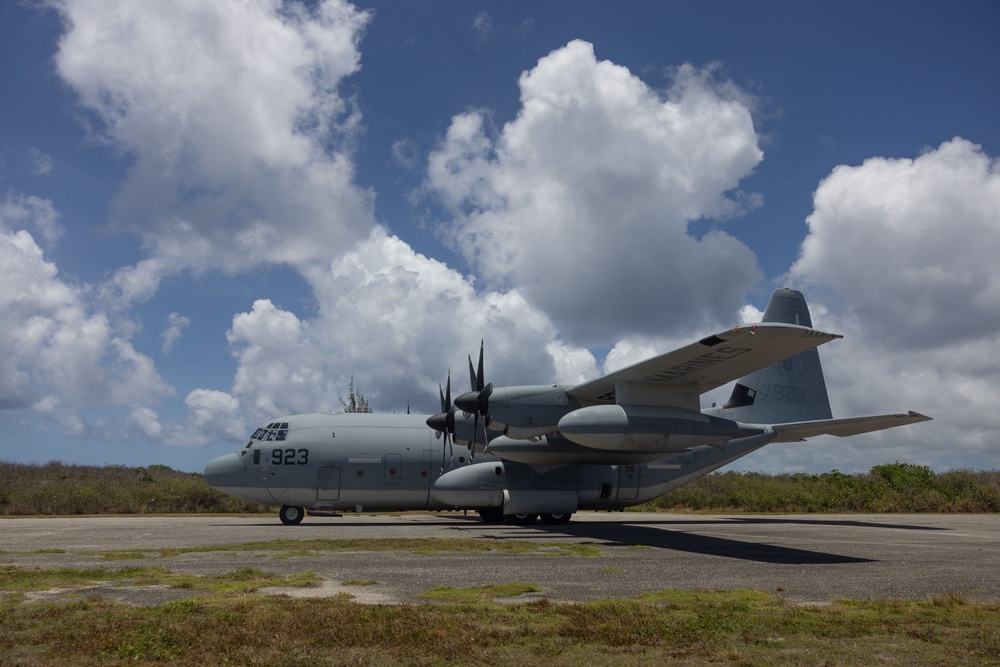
[(798, 431)]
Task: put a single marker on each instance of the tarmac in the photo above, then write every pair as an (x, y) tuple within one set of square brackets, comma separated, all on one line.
[(805, 558)]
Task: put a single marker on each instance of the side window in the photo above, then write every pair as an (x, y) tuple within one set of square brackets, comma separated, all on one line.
[(256, 457)]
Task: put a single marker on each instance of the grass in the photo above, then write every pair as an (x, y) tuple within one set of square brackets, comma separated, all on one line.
[(225, 621), (890, 488), (61, 489), (668, 627)]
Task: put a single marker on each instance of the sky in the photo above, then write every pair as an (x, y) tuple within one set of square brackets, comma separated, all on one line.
[(217, 213)]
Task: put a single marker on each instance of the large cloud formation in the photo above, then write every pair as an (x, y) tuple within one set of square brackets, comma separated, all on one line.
[(903, 253), (584, 199), (232, 114), (58, 355), (397, 321), (911, 244)]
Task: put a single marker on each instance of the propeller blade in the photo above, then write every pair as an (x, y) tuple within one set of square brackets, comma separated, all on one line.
[(480, 377), (472, 375)]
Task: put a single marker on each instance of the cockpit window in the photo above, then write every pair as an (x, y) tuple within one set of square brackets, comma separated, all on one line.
[(275, 431)]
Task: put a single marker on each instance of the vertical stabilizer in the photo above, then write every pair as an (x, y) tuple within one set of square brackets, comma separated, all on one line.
[(792, 390)]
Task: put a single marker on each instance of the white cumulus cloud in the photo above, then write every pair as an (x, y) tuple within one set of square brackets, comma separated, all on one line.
[(55, 348), (397, 321), (583, 201), (231, 114), (213, 416), (901, 259), (176, 324), (911, 245)]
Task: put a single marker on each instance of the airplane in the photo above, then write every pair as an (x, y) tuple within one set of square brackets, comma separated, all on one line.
[(549, 451)]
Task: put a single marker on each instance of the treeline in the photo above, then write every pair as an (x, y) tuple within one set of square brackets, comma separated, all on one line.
[(894, 487), (58, 488)]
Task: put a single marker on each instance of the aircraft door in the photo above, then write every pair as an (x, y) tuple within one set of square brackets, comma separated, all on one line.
[(258, 477), (328, 483), (393, 468), (628, 482), (259, 471)]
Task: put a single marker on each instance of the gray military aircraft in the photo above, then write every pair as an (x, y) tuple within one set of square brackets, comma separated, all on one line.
[(552, 450)]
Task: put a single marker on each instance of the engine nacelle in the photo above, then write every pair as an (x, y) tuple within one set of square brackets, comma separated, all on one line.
[(647, 428), (476, 485), (528, 411)]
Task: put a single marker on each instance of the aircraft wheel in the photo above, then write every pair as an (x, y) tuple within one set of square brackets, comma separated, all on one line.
[(491, 515), (291, 516), (556, 519), (520, 519)]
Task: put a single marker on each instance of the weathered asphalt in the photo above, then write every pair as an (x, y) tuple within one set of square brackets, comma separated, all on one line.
[(805, 558)]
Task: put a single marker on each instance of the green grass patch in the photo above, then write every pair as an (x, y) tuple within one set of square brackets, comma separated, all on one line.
[(741, 628), (359, 582), (892, 487), (62, 489)]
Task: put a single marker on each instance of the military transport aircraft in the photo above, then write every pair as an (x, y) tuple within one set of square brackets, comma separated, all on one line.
[(551, 450)]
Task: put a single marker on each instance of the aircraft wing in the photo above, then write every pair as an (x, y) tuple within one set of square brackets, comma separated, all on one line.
[(799, 431), (711, 362)]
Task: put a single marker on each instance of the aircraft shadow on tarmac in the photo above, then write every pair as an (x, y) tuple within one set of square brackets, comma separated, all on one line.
[(829, 522), (657, 534), (652, 534)]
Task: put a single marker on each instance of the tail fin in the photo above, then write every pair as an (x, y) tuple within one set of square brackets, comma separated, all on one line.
[(792, 390)]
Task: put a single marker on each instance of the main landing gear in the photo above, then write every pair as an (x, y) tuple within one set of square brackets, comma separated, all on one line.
[(291, 516)]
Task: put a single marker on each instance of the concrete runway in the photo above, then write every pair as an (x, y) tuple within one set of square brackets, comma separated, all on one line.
[(805, 558)]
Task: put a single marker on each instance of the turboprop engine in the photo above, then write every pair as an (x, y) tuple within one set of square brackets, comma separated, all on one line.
[(526, 411)]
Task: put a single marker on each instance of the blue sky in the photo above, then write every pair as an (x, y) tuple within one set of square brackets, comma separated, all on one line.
[(216, 213)]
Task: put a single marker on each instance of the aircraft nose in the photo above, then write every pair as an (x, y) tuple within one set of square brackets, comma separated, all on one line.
[(225, 472)]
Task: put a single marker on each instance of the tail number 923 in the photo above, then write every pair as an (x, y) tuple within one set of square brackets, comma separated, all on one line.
[(289, 457)]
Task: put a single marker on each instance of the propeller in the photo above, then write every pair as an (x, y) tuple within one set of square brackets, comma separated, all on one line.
[(477, 401), (444, 421)]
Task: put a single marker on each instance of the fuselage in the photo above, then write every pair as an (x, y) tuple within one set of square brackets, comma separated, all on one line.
[(374, 462)]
